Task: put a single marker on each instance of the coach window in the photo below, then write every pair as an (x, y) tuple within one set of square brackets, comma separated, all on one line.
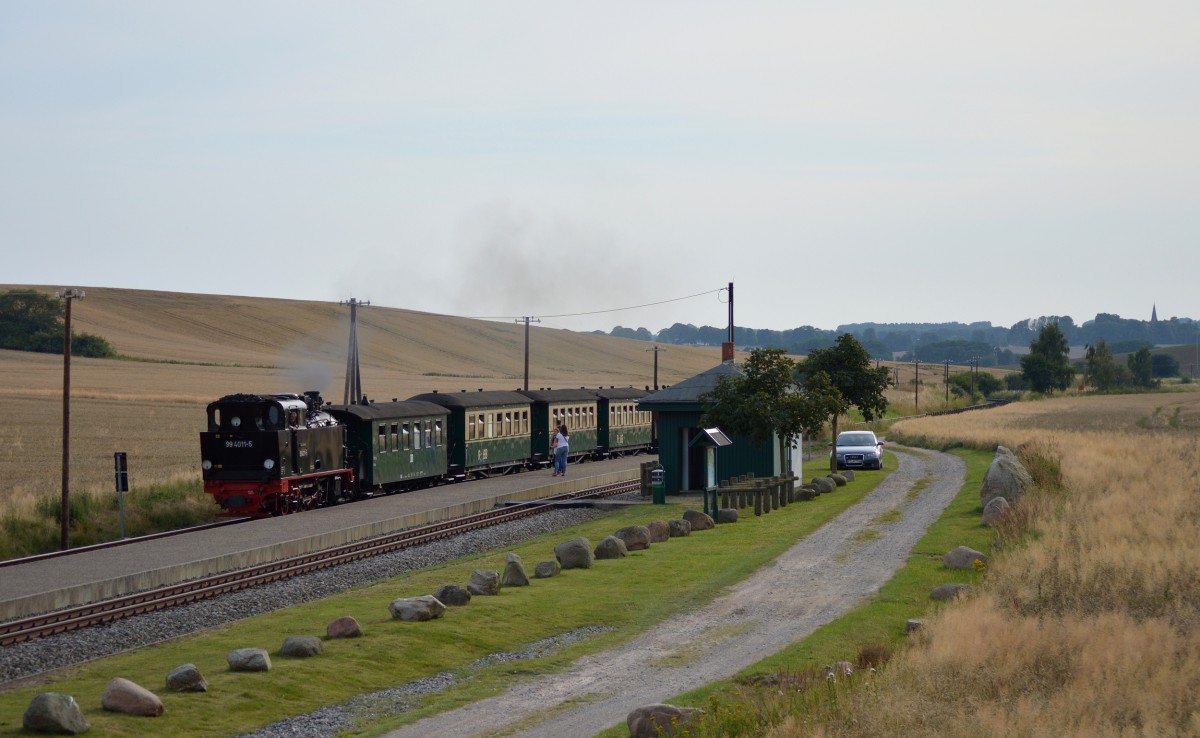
[(525, 422), (416, 435), (489, 425), (591, 416), (437, 433), (382, 438), (508, 429)]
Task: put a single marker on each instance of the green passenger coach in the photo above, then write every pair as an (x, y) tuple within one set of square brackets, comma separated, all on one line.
[(575, 408), (488, 431), (624, 429), (395, 446)]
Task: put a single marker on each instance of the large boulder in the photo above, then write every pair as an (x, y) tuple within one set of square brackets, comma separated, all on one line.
[(575, 554), (994, 511), (186, 678), (698, 520), (963, 557), (679, 528), (301, 647), (636, 537), (847, 474), (951, 591), (416, 609), (1006, 477), (51, 712), (727, 515), (611, 548), (514, 572), (123, 696), (547, 569), (249, 659), (839, 479), (484, 582), (823, 485), (344, 627), (452, 595), (655, 721), (660, 531)]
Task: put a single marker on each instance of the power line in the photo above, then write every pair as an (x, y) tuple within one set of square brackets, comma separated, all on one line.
[(595, 312)]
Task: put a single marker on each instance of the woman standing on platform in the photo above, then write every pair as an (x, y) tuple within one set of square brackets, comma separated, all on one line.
[(561, 443)]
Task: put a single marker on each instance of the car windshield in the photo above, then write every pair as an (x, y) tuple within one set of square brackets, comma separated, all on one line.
[(856, 439)]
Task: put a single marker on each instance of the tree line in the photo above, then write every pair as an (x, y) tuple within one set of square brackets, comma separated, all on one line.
[(34, 321), (978, 343)]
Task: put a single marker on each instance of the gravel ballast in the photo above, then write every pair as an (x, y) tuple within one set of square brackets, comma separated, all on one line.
[(46, 654)]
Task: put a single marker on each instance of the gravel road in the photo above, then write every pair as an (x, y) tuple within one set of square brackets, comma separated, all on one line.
[(816, 581)]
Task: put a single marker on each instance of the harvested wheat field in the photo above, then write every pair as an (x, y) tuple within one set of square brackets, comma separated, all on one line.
[(1088, 623), (182, 351)]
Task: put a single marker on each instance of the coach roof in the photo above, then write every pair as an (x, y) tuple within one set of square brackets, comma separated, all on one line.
[(460, 400), (385, 410)]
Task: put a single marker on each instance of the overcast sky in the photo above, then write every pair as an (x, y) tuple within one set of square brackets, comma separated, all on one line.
[(839, 162)]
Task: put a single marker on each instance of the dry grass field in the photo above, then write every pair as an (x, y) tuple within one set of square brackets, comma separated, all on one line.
[(192, 349), (1089, 620)]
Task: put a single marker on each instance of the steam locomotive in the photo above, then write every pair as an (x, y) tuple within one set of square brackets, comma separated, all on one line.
[(265, 455)]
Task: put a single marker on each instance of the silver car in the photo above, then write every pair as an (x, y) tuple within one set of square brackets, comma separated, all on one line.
[(858, 450)]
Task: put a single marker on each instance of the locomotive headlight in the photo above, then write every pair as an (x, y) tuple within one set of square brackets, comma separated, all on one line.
[(269, 464), (206, 465), (235, 421)]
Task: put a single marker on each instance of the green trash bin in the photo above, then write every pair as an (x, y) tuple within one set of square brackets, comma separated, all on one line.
[(658, 485)]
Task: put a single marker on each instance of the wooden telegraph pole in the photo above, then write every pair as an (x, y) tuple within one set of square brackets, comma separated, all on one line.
[(656, 350), (68, 295), (527, 320)]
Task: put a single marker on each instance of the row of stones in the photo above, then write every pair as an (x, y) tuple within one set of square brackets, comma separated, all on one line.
[(577, 553), (52, 712)]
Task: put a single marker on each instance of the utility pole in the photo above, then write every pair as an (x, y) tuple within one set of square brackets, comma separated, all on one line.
[(727, 348), (68, 295), (353, 391), (656, 351), (527, 320), (946, 379), (974, 373), (917, 386)]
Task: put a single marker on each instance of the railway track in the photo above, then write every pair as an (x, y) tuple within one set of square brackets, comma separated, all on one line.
[(97, 613)]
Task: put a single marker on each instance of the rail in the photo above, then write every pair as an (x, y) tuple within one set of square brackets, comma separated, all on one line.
[(96, 613)]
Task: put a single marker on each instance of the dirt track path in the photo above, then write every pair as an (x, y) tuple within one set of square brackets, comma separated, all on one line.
[(816, 581)]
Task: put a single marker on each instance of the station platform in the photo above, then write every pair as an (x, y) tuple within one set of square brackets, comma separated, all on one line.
[(44, 585)]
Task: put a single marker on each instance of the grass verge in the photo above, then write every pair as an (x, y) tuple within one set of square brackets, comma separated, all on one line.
[(738, 707), (682, 573)]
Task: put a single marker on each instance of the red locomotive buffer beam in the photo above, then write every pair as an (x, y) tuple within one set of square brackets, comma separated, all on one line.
[(242, 499)]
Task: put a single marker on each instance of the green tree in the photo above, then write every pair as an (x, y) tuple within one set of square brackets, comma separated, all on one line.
[(975, 384), (1164, 365), (765, 400), (1047, 366), (33, 321), (1100, 367), (1141, 367), (27, 316), (847, 369)]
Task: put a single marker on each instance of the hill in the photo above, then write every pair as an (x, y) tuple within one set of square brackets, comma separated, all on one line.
[(181, 351)]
